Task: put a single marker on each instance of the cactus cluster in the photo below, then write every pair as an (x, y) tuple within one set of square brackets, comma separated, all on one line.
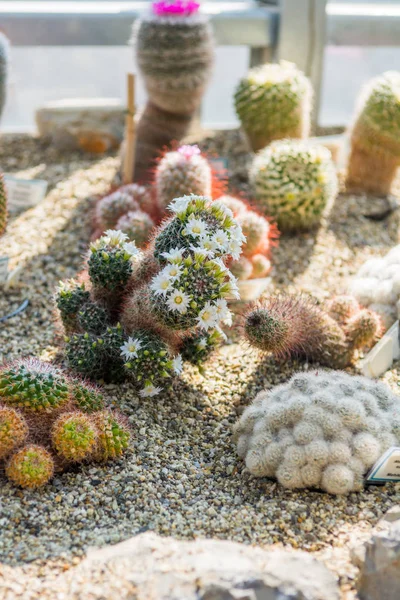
[(375, 137), (294, 182), (142, 309), (321, 430), (49, 421), (129, 209), (175, 53), (183, 171), (293, 325), (260, 236), (273, 102), (3, 205), (377, 286)]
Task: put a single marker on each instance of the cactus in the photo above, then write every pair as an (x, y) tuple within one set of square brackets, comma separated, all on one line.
[(292, 325), (242, 269), (174, 53), (273, 102), (13, 430), (261, 266), (70, 298), (198, 347), (113, 436), (256, 231), (33, 385), (184, 171), (137, 225), (4, 67), (74, 436), (237, 206), (375, 146), (3, 205), (294, 182), (48, 420), (321, 430), (111, 208), (174, 291), (377, 285), (141, 195)]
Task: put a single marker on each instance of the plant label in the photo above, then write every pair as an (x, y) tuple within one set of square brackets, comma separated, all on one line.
[(386, 468), (381, 357), (24, 193)]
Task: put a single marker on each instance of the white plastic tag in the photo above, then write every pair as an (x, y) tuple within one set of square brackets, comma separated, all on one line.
[(386, 468), (4, 260), (381, 357), (24, 193)]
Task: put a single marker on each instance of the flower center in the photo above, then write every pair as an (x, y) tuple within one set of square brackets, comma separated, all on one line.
[(178, 300)]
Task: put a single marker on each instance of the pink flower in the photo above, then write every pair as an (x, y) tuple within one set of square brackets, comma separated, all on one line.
[(175, 7), (189, 151)]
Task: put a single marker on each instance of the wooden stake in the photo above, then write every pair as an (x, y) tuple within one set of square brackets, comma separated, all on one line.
[(129, 156)]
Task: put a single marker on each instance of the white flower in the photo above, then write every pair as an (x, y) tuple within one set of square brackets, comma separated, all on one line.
[(230, 289), (176, 254), (223, 312), (207, 243), (200, 254), (208, 317), (221, 239), (130, 248), (237, 234), (177, 364), (161, 284), (115, 237), (131, 348), (180, 204), (202, 343), (235, 249), (172, 271), (195, 227), (149, 391), (223, 208), (178, 301)]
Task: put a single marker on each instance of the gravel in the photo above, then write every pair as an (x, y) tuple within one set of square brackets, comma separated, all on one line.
[(182, 476)]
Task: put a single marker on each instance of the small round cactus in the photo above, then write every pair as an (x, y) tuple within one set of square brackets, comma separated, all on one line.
[(198, 347), (375, 145), (69, 299), (294, 182), (93, 318), (137, 225), (255, 228), (31, 467), (273, 102), (33, 385), (111, 208), (320, 430), (140, 194), (74, 436), (13, 430), (261, 266), (342, 308), (87, 396), (242, 269), (113, 436), (184, 171)]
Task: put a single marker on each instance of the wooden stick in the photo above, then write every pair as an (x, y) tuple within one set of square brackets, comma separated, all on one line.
[(129, 156)]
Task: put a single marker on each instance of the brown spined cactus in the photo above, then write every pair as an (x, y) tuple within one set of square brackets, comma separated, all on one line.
[(375, 137), (31, 467), (293, 325)]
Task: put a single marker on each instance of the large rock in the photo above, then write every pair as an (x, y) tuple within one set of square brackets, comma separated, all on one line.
[(148, 567), (380, 571), (89, 124)]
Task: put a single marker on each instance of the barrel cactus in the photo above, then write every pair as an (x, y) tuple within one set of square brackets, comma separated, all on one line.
[(375, 137), (175, 52), (273, 102), (49, 420), (293, 325), (294, 182), (321, 430)]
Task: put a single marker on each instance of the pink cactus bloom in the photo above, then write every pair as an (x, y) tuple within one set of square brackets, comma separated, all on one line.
[(175, 7), (189, 151)]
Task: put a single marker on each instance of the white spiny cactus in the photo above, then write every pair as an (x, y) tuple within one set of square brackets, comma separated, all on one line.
[(320, 430)]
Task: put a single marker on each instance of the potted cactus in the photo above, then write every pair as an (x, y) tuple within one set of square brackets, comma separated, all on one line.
[(175, 52)]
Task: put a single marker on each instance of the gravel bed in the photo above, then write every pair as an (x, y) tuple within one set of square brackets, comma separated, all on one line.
[(182, 476)]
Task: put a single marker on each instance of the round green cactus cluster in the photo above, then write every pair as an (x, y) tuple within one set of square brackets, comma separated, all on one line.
[(321, 430), (113, 436), (111, 208), (198, 347), (33, 385), (375, 146), (48, 420), (93, 318), (149, 360), (199, 223), (181, 172), (69, 299), (294, 182), (273, 102), (137, 225)]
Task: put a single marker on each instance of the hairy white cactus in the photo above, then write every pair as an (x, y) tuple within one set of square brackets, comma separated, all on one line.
[(377, 286), (322, 429)]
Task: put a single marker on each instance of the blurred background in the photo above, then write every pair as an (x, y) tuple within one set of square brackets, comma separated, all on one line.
[(42, 73)]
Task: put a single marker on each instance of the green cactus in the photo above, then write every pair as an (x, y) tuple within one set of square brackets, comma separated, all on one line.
[(198, 347), (113, 436), (3, 206), (69, 299), (74, 436), (87, 396), (31, 467), (294, 182), (375, 146), (274, 102), (33, 385), (110, 261), (93, 318), (137, 225), (182, 172)]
